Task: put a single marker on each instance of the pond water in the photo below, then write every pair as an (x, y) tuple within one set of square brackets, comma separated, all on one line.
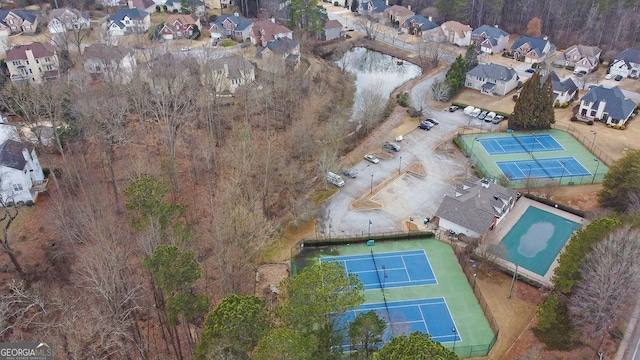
[(376, 71)]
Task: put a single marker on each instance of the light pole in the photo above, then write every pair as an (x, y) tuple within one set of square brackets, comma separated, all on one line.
[(528, 179), (370, 228), (533, 144), (371, 183), (400, 165), (594, 174), (563, 169), (594, 139), (454, 331), (474, 281)]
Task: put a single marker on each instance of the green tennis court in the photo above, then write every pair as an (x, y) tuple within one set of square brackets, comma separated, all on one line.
[(543, 156), (474, 336)]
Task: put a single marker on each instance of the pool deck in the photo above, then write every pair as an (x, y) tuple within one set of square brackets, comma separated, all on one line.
[(501, 230)]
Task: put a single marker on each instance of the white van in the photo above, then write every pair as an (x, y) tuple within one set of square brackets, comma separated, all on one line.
[(335, 179), (468, 110)]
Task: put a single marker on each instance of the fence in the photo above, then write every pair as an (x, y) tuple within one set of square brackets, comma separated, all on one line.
[(588, 141), (469, 272)]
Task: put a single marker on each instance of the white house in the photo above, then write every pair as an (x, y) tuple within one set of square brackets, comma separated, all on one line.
[(63, 20), (581, 57), (115, 63), (490, 39), (608, 105), (492, 79), (21, 176), (332, 30), (626, 63), (563, 90), (457, 33), (128, 21), (476, 206)]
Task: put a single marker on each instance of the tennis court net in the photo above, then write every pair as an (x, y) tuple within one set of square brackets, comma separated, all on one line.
[(384, 298)]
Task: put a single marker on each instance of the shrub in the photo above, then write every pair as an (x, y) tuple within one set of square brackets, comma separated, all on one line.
[(413, 112), (616, 126), (46, 172), (556, 104), (175, 11), (590, 122), (565, 105), (554, 327), (573, 118), (158, 8), (515, 97), (569, 67), (29, 203), (10, 204), (622, 127), (403, 99)]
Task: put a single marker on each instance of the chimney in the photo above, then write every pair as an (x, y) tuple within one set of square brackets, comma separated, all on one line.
[(545, 38), (236, 14), (273, 20), (430, 18), (495, 26), (386, 2), (409, 7), (130, 3)]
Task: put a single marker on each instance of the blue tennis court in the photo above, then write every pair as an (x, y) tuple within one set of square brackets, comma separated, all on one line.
[(520, 144), (430, 316), (542, 168), (390, 269)]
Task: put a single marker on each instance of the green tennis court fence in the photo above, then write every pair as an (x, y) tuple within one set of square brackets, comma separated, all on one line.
[(588, 141)]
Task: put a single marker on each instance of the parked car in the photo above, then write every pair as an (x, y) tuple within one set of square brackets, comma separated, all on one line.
[(372, 159), (468, 110), (530, 71), (350, 173), (475, 112), (453, 108), (391, 146), (425, 125), (186, 48), (618, 78), (580, 72), (432, 120), (497, 119), (483, 115), (335, 179), (490, 116), (608, 76)]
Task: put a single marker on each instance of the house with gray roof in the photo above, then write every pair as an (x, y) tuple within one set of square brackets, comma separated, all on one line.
[(278, 56), (21, 176), (492, 79), (233, 27), (229, 73), (490, 39), (128, 21), (115, 64), (475, 207), (332, 30), (417, 25), (17, 21), (608, 105), (580, 57), (371, 7), (66, 19), (563, 90), (626, 63), (532, 50)]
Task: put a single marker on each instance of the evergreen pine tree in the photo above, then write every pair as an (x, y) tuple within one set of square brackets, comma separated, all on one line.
[(456, 75), (471, 57), (534, 107), (547, 114)]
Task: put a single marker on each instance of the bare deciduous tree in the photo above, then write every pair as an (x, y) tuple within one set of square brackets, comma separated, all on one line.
[(368, 107), (8, 215), (369, 26), (610, 274), (440, 91)]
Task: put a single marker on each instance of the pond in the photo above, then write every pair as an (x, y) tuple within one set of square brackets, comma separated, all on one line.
[(376, 72)]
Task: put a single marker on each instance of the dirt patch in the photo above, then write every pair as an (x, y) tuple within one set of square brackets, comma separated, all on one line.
[(416, 169), (268, 279), (410, 226), (365, 203)]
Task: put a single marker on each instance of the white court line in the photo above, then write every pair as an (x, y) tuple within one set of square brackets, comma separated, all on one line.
[(405, 268), (424, 320), (451, 316)]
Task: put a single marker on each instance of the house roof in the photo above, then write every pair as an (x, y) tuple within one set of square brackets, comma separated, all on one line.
[(535, 44), (332, 24), (399, 11), (239, 22), (134, 14), (562, 86), (457, 27), (616, 104), (182, 18), (492, 72), (11, 154), (378, 6), (280, 46), (8, 132), (25, 15), (425, 24), (590, 53), (475, 204), (143, 4), (268, 29), (236, 65), (105, 52), (492, 32), (39, 51), (67, 15), (629, 55)]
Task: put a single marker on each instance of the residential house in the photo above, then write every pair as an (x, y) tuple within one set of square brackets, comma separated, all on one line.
[(608, 105), (492, 79), (195, 7), (231, 72), (580, 57), (417, 25), (231, 26), (218, 4), (65, 19), (114, 63), (457, 33), (178, 26), (490, 39), (332, 30), (17, 21), (35, 63), (266, 31), (626, 63), (475, 208), (564, 91), (373, 8), (128, 21), (144, 5), (279, 56), (21, 176), (397, 14), (531, 49)]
